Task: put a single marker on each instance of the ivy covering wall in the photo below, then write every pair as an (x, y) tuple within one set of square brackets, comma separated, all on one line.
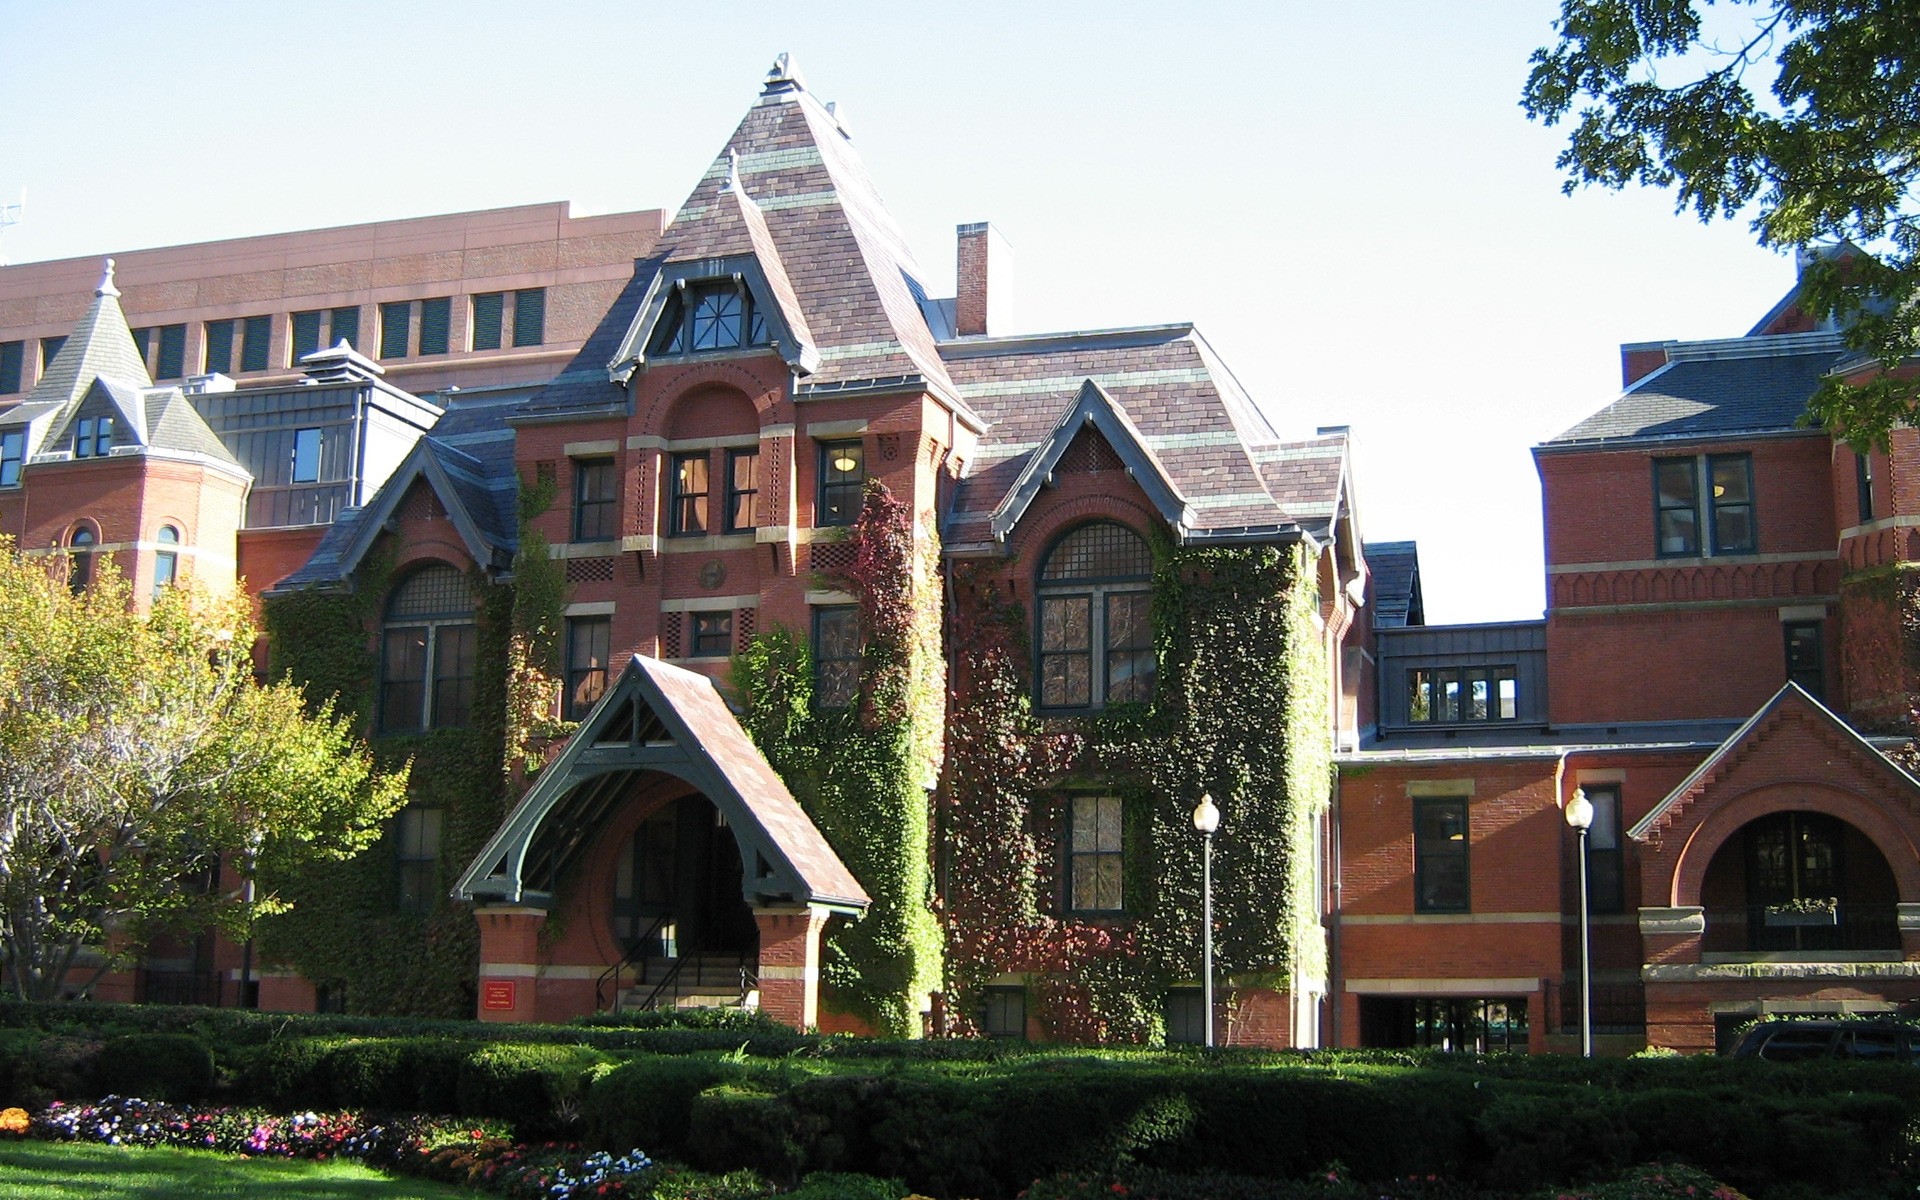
[(344, 931), (864, 773), (1240, 711)]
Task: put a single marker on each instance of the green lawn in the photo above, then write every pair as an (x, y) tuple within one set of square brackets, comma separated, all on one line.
[(71, 1171)]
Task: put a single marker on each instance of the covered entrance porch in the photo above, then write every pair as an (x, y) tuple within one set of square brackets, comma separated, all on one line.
[(657, 861)]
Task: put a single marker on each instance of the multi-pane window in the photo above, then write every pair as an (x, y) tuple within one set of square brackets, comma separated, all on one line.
[(322, 328), (12, 364), (1718, 517), (743, 490), (306, 455), (241, 345), (13, 453), (836, 655), (687, 508), (1096, 619), (1095, 849), (164, 349), (427, 652), (520, 316), (80, 559), (712, 634), (416, 857), (1806, 658), (589, 645), (93, 437), (1003, 1012), (1440, 877), (843, 481), (1606, 881), (50, 348), (596, 506), (1444, 695), (716, 315), (166, 560), (419, 327)]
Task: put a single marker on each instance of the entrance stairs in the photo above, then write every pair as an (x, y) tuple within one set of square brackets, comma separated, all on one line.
[(702, 981)]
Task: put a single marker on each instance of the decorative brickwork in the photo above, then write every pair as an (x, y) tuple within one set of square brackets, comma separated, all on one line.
[(590, 570)]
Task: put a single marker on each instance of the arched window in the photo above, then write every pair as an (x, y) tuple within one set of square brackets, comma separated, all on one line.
[(427, 652), (166, 561), (1096, 624), (80, 559)]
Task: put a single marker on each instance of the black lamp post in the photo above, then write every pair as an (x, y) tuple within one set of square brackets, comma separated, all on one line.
[(1206, 819), (1580, 819)]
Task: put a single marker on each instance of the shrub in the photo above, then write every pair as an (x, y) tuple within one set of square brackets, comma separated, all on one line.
[(649, 1101), (735, 1127), (834, 1185), (52, 1066), (398, 1074), (174, 1067), (289, 1071), (541, 1089)]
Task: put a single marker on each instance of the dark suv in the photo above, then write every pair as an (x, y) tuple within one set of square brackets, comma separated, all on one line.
[(1798, 1041)]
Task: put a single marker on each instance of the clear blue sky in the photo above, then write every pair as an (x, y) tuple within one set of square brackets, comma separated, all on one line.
[(1345, 198)]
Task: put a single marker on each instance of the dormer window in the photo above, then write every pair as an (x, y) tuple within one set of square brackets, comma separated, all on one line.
[(713, 315), (93, 437)]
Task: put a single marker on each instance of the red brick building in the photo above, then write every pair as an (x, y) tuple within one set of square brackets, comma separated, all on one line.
[(1723, 649)]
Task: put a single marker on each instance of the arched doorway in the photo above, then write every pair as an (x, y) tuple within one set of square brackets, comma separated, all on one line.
[(676, 885), (1798, 881)]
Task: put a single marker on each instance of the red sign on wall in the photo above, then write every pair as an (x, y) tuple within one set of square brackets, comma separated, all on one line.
[(498, 994)]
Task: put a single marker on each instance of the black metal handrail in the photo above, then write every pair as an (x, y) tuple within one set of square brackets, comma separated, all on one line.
[(637, 952)]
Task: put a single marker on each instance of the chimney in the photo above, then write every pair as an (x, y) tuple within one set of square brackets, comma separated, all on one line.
[(984, 300)]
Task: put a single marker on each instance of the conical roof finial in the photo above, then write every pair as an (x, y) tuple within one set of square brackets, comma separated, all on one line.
[(106, 287)]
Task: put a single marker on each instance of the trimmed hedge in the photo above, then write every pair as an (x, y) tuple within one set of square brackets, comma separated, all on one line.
[(648, 1102), (173, 1067)]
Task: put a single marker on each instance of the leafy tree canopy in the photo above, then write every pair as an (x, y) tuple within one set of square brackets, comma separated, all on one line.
[(1803, 113), (136, 753)]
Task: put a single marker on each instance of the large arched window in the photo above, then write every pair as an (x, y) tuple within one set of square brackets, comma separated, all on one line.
[(1096, 625), (80, 559), (427, 652)]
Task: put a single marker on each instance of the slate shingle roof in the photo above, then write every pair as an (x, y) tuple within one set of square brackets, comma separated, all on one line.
[(1395, 567), (1216, 448), (1740, 386)]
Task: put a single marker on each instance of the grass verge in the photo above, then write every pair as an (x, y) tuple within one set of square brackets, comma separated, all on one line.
[(73, 1171)]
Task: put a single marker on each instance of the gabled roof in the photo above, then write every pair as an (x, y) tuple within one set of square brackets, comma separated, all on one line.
[(1198, 437), (1789, 698), (663, 718), (1733, 387), (1396, 584), (789, 191), (467, 461)]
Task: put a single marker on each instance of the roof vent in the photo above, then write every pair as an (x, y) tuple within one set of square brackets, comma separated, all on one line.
[(783, 76), (339, 363)]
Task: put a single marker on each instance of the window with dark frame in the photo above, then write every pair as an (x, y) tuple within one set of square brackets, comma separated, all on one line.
[(595, 504), (13, 454), (712, 634), (1003, 1012), (485, 321), (80, 560), (1452, 695), (416, 857), (424, 327), (1095, 643), (530, 317), (396, 328), (1606, 877), (319, 329), (1440, 876), (12, 365), (743, 490), (843, 480), (1863, 485), (1806, 657), (50, 348), (1095, 854), (428, 647), (687, 508), (166, 560), (163, 348), (714, 314), (1724, 508), (836, 655), (93, 437), (589, 648), (306, 455)]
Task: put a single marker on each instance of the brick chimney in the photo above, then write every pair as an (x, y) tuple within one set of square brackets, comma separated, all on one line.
[(984, 298)]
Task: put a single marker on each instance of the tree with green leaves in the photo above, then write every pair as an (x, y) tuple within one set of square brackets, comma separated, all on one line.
[(1802, 114), (137, 754)]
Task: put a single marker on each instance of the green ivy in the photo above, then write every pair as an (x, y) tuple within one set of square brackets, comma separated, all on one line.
[(1240, 712), (863, 773)]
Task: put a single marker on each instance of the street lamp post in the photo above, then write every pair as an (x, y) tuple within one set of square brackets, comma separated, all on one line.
[(1206, 819), (1580, 818)]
